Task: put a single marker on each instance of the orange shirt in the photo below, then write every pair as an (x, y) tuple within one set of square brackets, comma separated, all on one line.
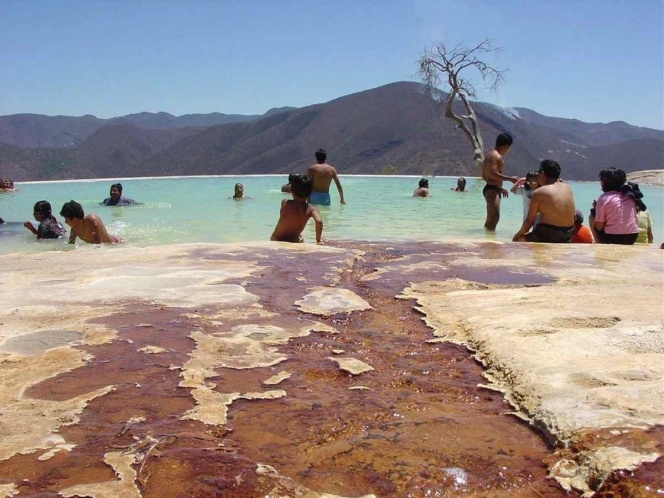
[(582, 235)]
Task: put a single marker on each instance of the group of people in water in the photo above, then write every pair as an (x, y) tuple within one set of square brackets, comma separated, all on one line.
[(618, 216)]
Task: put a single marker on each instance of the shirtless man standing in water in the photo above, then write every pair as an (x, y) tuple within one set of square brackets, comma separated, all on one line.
[(89, 228), (322, 175), (492, 174)]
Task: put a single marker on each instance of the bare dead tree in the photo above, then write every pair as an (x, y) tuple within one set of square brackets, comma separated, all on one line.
[(453, 68)]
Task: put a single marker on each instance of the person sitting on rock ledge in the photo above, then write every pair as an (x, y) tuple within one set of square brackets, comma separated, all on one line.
[(554, 202), (295, 213)]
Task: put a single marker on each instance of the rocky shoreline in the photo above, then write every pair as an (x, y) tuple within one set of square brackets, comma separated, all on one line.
[(647, 177), (573, 336)]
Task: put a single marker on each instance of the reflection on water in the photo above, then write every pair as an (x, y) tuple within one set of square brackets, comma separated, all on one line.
[(200, 209)]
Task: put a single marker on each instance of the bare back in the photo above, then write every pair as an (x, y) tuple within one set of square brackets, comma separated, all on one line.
[(321, 175), (493, 163), (293, 218), (92, 230), (555, 204)]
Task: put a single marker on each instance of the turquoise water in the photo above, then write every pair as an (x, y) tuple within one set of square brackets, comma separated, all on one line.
[(200, 209)]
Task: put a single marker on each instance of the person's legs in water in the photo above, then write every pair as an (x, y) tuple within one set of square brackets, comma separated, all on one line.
[(492, 198)]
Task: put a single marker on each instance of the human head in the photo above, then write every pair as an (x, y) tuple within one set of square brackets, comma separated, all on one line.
[(504, 139), (301, 186), (612, 179), (43, 209), (290, 177), (461, 184), (578, 217), (116, 190), (424, 183), (239, 190), (71, 210), (321, 156), (531, 180), (550, 169)]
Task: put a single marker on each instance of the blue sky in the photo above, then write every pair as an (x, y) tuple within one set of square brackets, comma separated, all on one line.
[(593, 60)]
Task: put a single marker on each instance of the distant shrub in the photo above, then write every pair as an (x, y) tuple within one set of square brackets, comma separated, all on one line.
[(388, 170)]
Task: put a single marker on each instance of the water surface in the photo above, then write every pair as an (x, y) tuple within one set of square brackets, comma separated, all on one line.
[(200, 209)]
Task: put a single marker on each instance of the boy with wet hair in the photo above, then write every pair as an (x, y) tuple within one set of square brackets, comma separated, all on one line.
[(295, 213), (89, 228)]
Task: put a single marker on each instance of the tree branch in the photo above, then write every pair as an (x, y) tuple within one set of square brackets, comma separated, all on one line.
[(439, 61)]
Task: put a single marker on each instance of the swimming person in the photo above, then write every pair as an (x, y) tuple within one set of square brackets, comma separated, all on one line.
[(492, 174), (89, 228), (554, 202), (295, 213), (238, 192), (461, 185), (286, 187), (116, 198), (7, 185), (322, 174), (423, 189), (49, 227)]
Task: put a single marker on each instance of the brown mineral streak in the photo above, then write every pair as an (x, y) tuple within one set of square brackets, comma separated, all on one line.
[(162, 391)]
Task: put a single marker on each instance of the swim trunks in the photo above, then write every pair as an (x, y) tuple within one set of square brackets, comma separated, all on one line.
[(488, 187), (322, 198), (550, 233)]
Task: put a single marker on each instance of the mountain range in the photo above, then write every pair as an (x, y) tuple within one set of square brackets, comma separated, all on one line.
[(397, 128)]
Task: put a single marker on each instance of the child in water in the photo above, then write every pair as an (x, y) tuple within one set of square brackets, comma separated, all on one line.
[(88, 228), (295, 213), (525, 188), (49, 227)]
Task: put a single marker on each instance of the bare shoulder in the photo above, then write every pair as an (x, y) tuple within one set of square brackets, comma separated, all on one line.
[(492, 155), (492, 158)]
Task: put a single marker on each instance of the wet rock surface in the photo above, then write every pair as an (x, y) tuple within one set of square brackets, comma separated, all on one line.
[(272, 414)]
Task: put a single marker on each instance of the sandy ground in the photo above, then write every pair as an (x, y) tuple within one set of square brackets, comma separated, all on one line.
[(581, 355)]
